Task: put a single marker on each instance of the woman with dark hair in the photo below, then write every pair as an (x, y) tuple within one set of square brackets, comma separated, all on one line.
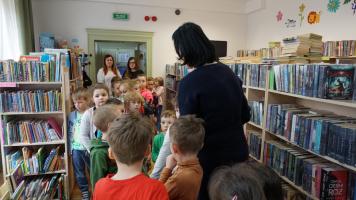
[(214, 93), (132, 69), (106, 73)]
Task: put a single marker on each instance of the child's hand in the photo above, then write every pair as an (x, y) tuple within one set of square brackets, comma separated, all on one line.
[(171, 162)]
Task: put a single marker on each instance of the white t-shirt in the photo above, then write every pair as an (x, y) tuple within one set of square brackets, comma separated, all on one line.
[(102, 78)]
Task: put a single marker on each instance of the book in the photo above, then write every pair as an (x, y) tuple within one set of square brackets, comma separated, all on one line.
[(340, 82), (334, 183), (16, 177)]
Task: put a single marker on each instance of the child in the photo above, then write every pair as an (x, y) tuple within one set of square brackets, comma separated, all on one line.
[(270, 181), (88, 130), (187, 137), (101, 165), (123, 89), (115, 86), (134, 85), (168, 117), (150, 84), (146, 94), (129, 137), (232, 183), (158, 93), (79, 154), (133, 102)]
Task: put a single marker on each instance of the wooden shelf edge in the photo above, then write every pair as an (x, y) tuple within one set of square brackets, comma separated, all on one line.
[(285, 179), (31, 113), (345, 103), (313, 153), (255, 125), (257, 88), (35, 144), (254, 158)]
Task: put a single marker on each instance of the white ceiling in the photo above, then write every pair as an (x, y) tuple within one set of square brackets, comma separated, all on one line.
[(224, 6)]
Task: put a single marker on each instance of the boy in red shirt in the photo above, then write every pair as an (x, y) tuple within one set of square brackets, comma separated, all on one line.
[(129, 138)]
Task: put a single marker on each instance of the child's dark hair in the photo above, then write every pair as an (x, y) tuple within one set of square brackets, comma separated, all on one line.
[(114, 101), (229, 183), (188, 133), (100, 86), (271, 183), (81, 93), (160, 81), (129, 137)]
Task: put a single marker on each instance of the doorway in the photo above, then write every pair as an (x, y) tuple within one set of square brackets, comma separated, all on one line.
[(121, 51), (122, 45)]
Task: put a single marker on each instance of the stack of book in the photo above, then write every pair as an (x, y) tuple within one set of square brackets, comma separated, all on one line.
[(254, 143), (41, 188), (240, 70), (248, 53), (320, 132), (343, 48), (258, 75), (30, 101), (302, 49), (35, 163), (315, 80), (30, 131), (256, 111), (317, 177)]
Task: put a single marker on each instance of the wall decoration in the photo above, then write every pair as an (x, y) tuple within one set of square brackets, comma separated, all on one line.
[(354, 6), (290, 23), (347, 1), (301, 13), (333, 5), (314, 17), (280, 16), (147, 18)]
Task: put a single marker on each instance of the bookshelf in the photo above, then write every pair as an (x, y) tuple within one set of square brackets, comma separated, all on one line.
[(174, 73), (35, 129), (268, 96)]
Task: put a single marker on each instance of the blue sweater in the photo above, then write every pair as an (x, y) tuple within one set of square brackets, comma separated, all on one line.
[(214, 93)]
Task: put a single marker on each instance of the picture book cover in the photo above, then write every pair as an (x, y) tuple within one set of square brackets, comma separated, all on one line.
[(340, 82)]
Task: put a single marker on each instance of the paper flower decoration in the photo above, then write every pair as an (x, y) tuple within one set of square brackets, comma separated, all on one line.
[(301, 7), (333, 5), (280, 16)]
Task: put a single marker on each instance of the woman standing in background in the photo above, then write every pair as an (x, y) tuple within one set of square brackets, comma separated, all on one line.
[(106, 73), (132, 69), (214, 93)]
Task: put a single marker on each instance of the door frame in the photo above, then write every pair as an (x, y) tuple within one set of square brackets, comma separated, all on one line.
[(118, 36)]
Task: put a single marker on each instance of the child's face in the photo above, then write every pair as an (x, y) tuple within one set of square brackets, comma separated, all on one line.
[(137, 88), (142, 80), (166, 122), (134, 106), (123, 89), (100, 96), (156, 83), (81, 104), (116, 90), (150, 85)]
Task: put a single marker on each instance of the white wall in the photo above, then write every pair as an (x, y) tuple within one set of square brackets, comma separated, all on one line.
[(263, 26), (69, 19)]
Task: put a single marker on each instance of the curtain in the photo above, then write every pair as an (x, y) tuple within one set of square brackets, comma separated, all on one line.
[(25, 26), (9, 33)]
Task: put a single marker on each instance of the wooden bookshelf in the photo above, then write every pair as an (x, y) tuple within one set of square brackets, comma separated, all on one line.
[(340, 107), (59, 116)]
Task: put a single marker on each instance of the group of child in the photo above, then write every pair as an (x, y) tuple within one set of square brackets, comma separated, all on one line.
[(118, 141)]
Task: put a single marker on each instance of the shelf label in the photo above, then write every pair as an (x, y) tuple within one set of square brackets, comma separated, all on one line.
[(7, 84)]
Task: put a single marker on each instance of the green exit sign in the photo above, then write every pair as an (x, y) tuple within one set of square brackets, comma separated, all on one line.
[(120, 16)]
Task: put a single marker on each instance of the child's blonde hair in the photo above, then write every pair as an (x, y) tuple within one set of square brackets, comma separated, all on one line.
[(132, 97), (115, 80), (81, 93), (131, 84), (104, 115), (169, 113), (159, 81)]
